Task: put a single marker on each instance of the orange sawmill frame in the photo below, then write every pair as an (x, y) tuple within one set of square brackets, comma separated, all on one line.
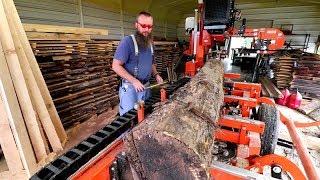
[(248, 138)]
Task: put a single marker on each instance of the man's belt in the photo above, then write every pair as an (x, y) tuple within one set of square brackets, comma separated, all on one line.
[(143, 82)]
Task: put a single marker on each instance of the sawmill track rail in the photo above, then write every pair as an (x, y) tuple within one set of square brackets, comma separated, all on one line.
[(68, 163)]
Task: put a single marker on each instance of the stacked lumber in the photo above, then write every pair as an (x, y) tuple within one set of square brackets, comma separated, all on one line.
[(284, 71), (307, 75), (79, 76), (30, 125), (176, 141), (166, 54), (78, 72)]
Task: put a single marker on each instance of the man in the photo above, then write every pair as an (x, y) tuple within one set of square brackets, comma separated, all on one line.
[(133, 62)]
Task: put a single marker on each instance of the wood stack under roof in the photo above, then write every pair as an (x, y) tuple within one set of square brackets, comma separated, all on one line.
[(284, 71), (77, 68), (166, 54), (307, 75), (79, 76)]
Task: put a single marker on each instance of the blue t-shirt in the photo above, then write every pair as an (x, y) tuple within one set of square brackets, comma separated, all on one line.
[(126, 54)]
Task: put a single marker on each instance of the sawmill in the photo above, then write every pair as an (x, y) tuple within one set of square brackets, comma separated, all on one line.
[(159, 89)]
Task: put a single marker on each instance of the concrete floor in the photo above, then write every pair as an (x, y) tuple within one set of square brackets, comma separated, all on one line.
[(310, 136)]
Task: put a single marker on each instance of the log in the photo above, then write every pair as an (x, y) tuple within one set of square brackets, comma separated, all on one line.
[(176, 141), (20, 86), (36, 70)]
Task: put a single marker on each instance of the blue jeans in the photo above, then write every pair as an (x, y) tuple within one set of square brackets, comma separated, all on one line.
[(128, 97)]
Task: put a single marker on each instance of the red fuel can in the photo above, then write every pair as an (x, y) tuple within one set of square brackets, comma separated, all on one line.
[(285, 97), (294, 100)]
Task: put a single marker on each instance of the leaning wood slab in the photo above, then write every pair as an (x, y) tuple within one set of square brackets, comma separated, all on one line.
[(175, 141)]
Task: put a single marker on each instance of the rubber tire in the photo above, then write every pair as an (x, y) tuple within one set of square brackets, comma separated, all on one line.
[(271, 117)]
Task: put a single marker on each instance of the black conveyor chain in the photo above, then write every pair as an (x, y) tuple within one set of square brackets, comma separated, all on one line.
[(68, 163)]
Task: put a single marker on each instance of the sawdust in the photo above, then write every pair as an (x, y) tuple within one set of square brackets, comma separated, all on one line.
[(81, 131)]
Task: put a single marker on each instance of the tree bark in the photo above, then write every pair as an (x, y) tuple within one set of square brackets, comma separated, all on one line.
[(175, 141)]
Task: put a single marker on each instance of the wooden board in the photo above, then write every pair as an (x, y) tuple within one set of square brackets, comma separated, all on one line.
[(16, 121), (63, 29), (20, 86), (56, 36), (7, 142), (36, 71), (34, 91), (6, 175)]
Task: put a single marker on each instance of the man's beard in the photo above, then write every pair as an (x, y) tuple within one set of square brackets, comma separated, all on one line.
[(143, 41)]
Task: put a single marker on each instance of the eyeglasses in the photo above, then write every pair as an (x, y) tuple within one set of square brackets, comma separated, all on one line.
[(146, 25)]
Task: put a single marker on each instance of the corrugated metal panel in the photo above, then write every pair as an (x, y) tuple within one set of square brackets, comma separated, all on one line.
[(97, 17), (305, 19), (66, 13), (48, 12), (276, 10), (256, 23)]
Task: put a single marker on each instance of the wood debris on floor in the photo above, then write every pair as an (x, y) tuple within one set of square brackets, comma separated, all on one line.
[(81, 131), (311, 108), (310, 136)]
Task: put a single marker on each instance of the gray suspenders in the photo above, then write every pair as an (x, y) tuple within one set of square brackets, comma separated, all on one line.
[(136, 52)]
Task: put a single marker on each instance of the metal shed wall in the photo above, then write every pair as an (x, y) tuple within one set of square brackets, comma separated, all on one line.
[(68, 13)]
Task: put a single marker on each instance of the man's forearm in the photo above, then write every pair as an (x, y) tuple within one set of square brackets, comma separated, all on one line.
[(122, 72), (154, 70)]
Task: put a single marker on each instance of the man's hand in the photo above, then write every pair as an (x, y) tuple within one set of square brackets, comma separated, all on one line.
[(159, 79), (138, 85)]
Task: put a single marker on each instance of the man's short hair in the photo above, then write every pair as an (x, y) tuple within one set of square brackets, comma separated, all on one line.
[(143, 13)]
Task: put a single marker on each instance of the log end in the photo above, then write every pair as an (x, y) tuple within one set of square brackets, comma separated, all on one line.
[(159, 156)]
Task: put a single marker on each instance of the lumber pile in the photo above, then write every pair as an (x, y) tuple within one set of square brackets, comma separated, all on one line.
[(30, 126), (175, 141), (307, 75), (284, 71), (79, 76), (166, 55)]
